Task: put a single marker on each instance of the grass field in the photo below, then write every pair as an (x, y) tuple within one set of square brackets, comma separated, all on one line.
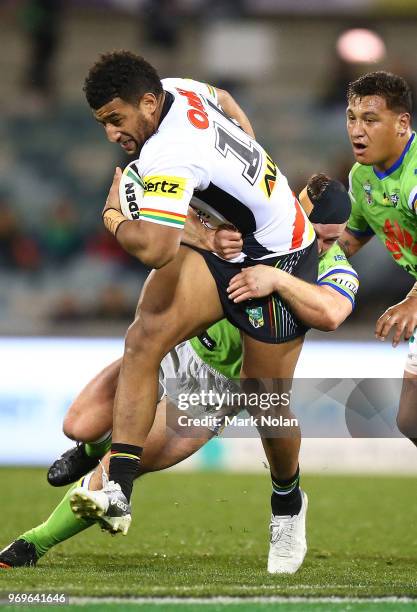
[(205, 535)]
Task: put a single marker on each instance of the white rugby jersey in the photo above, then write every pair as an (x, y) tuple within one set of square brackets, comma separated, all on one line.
[(199, 151)]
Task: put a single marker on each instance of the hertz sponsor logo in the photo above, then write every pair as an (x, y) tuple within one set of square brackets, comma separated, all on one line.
[(166, 186), (269, 179)]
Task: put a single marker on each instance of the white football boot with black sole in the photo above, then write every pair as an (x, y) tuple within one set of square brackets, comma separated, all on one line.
[(288, 544)]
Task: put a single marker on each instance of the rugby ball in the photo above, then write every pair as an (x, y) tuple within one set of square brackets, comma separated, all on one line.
[(131, 191), (210, 217)]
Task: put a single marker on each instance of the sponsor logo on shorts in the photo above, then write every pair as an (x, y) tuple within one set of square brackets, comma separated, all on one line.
[(256, 316), (165, 186), (206, 341)]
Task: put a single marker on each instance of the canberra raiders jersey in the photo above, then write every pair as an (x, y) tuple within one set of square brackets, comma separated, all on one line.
[(199, 152), (385, 204), (336, 272), (220, 347)]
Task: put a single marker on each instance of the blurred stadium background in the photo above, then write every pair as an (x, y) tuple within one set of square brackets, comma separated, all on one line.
[(68, 291)]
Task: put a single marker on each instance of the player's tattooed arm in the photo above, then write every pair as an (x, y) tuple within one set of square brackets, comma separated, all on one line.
[(350, 244)]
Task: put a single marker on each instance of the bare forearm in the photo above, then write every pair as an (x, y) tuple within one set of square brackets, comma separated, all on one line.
[(315, 306), (195, 234), (140, 240)]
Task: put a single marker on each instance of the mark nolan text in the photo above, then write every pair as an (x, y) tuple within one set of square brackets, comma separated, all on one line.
[(236, 421)]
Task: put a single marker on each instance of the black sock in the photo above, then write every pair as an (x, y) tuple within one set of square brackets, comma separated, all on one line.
[(124, 465), (286, 495)]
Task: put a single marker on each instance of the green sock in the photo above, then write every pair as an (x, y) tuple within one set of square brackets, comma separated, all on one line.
[(99, 448), (61, 525)]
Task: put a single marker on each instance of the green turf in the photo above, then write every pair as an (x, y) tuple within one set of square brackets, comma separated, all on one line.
[(205, 534), (231, 607)]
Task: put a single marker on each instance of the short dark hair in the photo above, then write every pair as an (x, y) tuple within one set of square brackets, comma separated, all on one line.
[(120, 74), (316, 185), (394, 89)]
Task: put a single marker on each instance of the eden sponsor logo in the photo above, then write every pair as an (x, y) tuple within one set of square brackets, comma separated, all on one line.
[(131, 200)]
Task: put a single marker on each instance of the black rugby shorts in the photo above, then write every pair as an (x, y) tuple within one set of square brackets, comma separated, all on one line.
[(266, 319)]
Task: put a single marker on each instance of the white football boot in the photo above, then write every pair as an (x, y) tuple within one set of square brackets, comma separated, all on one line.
[(108, 506), (288, 545)]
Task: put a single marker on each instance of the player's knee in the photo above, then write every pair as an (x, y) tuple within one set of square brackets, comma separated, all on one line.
[(144, 339), (76, 428), (136, 339), (69, 427)]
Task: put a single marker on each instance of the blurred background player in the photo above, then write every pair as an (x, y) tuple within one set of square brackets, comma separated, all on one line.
[(383, 189), (218, 351)]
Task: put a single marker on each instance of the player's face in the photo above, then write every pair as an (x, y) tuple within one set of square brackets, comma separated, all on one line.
[(375, 132), (327, 234), (128, 124)]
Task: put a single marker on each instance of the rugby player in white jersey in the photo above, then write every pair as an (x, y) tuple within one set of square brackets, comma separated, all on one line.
[(214, 359), (187, 146)]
